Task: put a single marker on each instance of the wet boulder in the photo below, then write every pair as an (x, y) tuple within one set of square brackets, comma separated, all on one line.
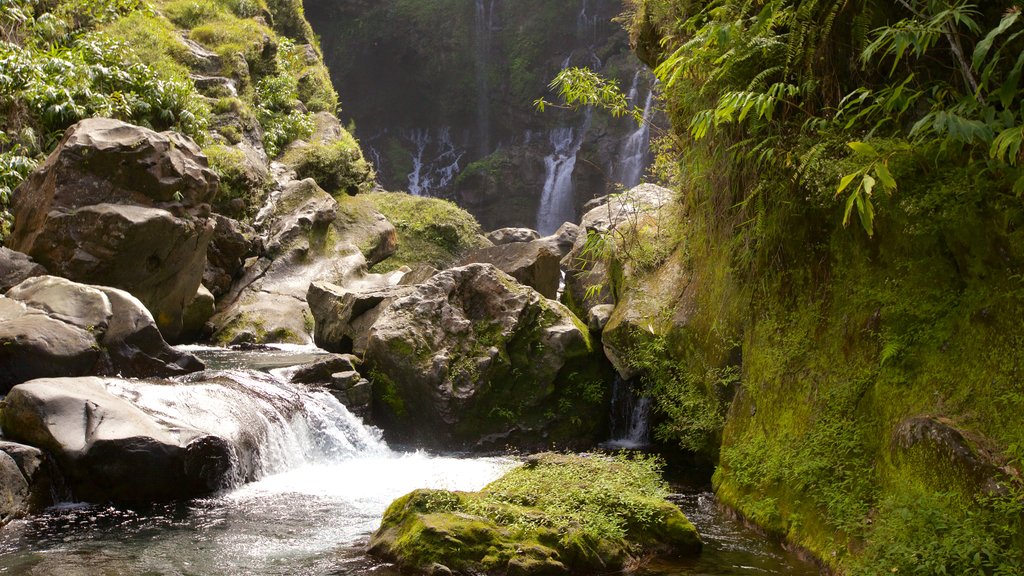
[(124, 206), (473, 359), (52, 326), (535, 263), (16, 267), (138, 441), (311, 237), (109, 449)]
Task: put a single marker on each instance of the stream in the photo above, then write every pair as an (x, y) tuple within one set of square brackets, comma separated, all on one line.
[(313, 513)]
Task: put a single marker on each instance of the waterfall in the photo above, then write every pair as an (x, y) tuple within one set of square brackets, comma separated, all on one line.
[(630, 417), (633, 155), (435, 161), (558, 202), (274, 426), (483, 25)]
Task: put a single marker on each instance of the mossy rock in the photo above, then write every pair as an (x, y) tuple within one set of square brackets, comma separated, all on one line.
[(557, 514), (430, 230), (476, 360)]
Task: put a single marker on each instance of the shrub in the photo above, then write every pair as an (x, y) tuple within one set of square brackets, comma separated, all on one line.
[(237, 181)]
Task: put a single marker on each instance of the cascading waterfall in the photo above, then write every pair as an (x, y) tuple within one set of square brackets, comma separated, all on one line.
[(558, 202), (630, 417), (435, 161), (484, 25), (634, 154)]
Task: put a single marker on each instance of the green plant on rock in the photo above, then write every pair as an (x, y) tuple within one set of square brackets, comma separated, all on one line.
[(337, 166)]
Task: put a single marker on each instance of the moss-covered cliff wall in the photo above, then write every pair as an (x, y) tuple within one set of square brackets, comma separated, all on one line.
[(859, 387)]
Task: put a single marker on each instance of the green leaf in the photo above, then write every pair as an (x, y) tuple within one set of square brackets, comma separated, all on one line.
[(845, 182), (885, 177), (863, 148), (869, 184), (983, 47)]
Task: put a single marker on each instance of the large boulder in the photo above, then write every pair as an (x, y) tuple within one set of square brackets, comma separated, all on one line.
[(138, 441), (472, 359), (109, 449), (51, 326), (16, 267), (588, 280), (310, 237), (539, 520), (535, 263), (124, 206), (343, 317)]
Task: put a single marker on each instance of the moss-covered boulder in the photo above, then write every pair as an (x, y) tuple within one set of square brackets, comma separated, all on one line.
[(430, 230), (473, 359), (555, 515)]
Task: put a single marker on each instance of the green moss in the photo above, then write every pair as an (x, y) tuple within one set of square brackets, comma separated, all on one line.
[(430, 231), (386, 391), (237, 181), (337, 166), (577, 513)]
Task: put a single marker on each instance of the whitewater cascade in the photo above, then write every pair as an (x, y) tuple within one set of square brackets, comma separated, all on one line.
[(558, 200), (630, 417), (634, 153), (435, 161)]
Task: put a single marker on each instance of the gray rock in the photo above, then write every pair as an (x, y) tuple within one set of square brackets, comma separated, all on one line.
[(52, 326), (320, 372), (35, 468), (107, 448), (624, 213), (198, 311), (598, 317), (123, 206), (472, 359), (510, 235), (344, 380), (535, 264), (343, 318), (232, 243), (310, 239), (14, 490), (565, 238), (16, 267)]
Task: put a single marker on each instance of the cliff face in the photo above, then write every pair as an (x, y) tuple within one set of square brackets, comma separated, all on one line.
[(859, 393), (442, 95)]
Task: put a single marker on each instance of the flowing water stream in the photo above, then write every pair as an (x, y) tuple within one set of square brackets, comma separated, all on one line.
[(328, 480)]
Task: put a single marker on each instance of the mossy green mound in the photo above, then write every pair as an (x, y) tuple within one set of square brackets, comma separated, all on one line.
[(557, 514), (430, 231)]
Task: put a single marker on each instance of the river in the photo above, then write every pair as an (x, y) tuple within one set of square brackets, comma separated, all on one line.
[(314, 517)]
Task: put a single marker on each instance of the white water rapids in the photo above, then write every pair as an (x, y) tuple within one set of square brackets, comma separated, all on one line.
[(326, 479)]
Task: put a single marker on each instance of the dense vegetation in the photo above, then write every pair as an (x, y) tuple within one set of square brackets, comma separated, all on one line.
[(256, 65), (849, 231)]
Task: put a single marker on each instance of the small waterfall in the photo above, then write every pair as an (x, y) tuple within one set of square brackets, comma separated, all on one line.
[(273, 426), (435, 161), (634, 154), (558, 202), (630, 417)]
